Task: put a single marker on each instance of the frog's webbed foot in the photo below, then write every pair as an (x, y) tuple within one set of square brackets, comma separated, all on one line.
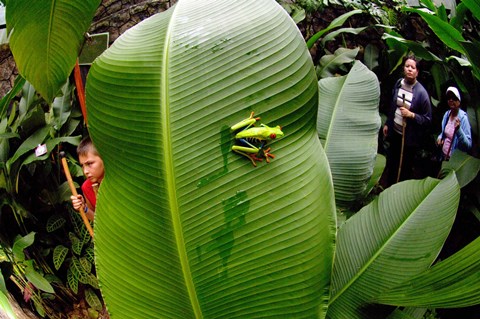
[(268, 155), (251, 156), (254, 159)]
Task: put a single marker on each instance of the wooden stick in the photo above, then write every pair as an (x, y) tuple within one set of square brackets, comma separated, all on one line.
[(74, 192), (404, 125)]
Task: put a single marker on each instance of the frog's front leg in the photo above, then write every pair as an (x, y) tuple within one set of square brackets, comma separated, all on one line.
[(248, 151), (246, 123)]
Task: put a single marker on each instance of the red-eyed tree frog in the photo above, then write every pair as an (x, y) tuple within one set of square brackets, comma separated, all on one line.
[(251, 140)]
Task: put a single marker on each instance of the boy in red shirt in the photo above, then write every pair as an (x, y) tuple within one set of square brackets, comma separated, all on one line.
[(92, 166)]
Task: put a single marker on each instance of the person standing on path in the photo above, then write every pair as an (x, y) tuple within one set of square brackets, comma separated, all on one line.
[(456, 131), (409, 116)]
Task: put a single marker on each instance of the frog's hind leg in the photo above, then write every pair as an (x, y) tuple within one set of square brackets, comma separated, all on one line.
[(247, 152), (245, 124)]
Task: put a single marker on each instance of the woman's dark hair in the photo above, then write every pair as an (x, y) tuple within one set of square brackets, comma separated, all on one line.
[(412, 56)]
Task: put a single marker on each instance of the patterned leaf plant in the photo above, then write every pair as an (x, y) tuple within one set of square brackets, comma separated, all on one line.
[(77, 259)]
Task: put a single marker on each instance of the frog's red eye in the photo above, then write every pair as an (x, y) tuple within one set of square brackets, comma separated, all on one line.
[(273, 136)]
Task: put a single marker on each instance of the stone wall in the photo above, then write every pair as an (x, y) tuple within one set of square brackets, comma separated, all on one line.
[(8, 70), (117, 16), (112, 16)]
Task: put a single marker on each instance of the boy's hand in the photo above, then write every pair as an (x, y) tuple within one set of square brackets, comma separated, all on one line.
[(77, 202)]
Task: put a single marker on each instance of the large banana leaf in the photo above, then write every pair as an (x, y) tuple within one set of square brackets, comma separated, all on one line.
[(348, 124), (452, 283), (185, 228), (466, 167), (389, 241), (45, 39)]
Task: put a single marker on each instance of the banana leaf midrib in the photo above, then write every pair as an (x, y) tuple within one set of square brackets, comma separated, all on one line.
[(170, 174), (332, 118)]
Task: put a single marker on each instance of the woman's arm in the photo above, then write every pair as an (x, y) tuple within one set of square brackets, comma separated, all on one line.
[(464, 134), (422, 107)]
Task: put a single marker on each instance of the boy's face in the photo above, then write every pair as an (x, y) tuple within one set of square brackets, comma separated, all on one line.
[(92, 166)]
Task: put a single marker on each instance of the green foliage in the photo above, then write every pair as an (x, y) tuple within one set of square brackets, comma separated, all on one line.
[(206, 232), (330, 64), (436, 286), (466, 167), (393, 220), (55, 222), (72, 280), (28, 273), (447, 33), (454, 39), (78, 257), (33, 195), (296, 12), (388, 235), (248, 232), (37, 279), (371, 56), (410, 313), (20, 244), (5, 101), (473, 6), (59, 254), (338, 22), (93, 299), (378, 10), (348, 123), (455, 48), (5, 304), (310, 5), (55, 29)]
